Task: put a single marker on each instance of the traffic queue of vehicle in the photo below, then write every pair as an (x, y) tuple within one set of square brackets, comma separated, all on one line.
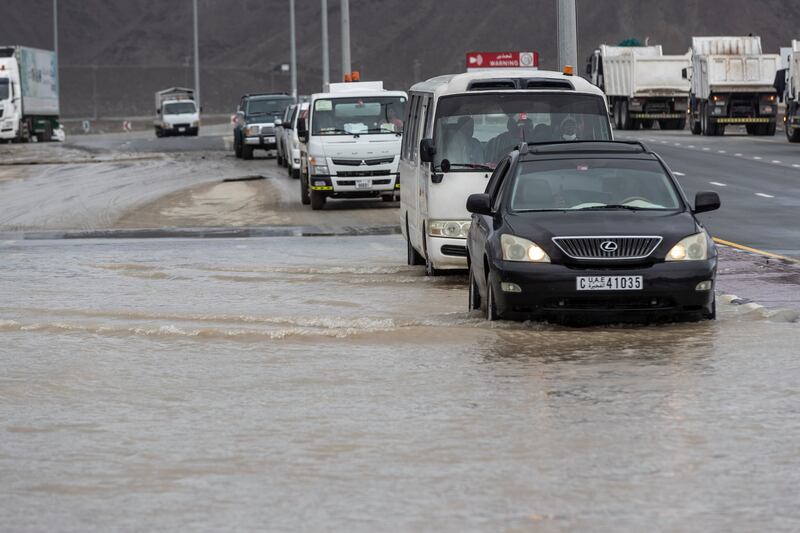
[(512, 175)]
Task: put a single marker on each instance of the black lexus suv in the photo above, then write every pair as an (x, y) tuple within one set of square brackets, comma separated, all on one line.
[(589, 231)]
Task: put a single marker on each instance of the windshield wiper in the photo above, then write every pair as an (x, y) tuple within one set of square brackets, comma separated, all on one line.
[(611, 206), (473, 165)]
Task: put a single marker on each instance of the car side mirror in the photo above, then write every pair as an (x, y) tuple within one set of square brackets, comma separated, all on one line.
[(426, 150), (480, 204), (302, 130), (685, 73), (706, 201)]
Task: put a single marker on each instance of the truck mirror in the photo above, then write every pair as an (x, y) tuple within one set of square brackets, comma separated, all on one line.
[(302, 130), (685, 73), (426, 150), (158, 111)]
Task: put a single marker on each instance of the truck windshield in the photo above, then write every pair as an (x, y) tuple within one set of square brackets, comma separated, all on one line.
[(592, 184), (4, 92), (268, 107), (179, 108), (477, 130), (358, 115)]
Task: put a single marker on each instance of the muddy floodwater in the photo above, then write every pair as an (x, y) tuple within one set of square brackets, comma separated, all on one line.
[(318, 384)]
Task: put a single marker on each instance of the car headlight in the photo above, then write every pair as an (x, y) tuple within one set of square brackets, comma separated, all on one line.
[(196, 124), (692, 248), (452, 229), (165, 125), (251, 130), (519, 249)]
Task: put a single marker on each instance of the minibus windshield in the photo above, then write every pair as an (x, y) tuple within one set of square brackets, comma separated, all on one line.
[(475, 131), (358, 115)]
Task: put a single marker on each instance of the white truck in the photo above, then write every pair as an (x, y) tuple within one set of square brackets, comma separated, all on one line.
[(791, 94), (350, 143), (642, 85), (176, 112), (29, 106), (732, 83)]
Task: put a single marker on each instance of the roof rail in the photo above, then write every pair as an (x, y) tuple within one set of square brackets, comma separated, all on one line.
[(522, 148), (588, 146)]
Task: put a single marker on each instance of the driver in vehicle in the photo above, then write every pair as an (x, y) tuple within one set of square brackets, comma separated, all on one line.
[(464, 148)]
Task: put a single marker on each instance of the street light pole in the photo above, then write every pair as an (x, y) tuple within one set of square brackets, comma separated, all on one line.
[(346, 66), (567, 34), (196, 59), (326, 65), (55, 29), (293, 58)]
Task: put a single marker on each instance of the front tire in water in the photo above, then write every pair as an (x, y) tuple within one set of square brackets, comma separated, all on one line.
[(474, 294), (490, 309), (317, 200), (304, 197)]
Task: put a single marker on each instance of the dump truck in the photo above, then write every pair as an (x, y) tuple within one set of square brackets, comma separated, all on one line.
[(642, 85), (791, 94), (176, 112), (732, 83), (29, 103)]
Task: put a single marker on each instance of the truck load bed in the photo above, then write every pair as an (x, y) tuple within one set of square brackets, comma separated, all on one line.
[(643, 71), (38, 78), (731, 64)]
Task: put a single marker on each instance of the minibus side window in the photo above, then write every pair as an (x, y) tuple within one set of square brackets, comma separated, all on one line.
[(408, 136)]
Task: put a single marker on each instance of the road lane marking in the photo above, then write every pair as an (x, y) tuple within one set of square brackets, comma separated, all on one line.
[(795, 165), (678, 173), (738, 155), (690, 146), (756, 157), (762, 195), (705, 149), (721, 151), (8, 243), (777, 162), (754, 250), (677, 144), (718, 184)]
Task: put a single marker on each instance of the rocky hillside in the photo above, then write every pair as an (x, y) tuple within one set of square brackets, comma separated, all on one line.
[(116, 53)]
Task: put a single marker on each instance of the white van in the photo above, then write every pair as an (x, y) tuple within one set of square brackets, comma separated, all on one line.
[(459, 127), (293, 142), (351, 143)]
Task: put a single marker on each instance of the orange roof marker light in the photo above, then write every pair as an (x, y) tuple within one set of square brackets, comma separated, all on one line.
[(568, 70), (348, 78), (356, 75)]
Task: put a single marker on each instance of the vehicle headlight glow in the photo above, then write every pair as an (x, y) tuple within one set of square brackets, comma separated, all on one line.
[(691, 248), (251, 130), (519, 249), (452, 229)]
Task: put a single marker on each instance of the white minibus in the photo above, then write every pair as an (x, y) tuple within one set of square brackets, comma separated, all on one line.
[(458, 127)]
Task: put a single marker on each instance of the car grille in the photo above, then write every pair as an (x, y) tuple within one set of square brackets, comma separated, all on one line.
[(359, 162), (352, 183), (454, 250), (362, 173), (629, 247)]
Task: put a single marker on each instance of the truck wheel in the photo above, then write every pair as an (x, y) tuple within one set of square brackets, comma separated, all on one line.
[(792, 133), (751, 129), (295, 173), (47, 134), (664, 124), (770, 128), (159, 133), (679, 124), (647, 123), (247, 151), (626, 122), (304, 198), (318, 199), (617, 117), (696, 126)]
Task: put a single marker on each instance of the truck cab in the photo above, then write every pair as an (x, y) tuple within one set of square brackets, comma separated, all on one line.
[(254, 127), (176, 113), (8, 125), (351, 143), (29, 102)]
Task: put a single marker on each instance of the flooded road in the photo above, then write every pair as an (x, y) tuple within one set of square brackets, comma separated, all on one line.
[(321, 384)]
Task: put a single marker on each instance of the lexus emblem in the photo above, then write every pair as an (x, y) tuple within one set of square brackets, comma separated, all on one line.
[(608, 246)]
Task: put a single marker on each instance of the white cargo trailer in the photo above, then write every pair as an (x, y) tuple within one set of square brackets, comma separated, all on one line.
[(642, 85), (732, 83), (29, 106), (792, 94)]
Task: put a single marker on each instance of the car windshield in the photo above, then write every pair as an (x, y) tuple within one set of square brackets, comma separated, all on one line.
[(273, 106), (4, 92), (179, 108), (476, 131), (592, 184), (358, 115)]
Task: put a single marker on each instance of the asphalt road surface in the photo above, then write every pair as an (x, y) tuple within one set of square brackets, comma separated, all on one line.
[(757, 178)]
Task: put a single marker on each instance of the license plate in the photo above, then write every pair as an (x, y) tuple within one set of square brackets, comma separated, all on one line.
[(363, 184), (269, 139), (609, 283), (181, 129)]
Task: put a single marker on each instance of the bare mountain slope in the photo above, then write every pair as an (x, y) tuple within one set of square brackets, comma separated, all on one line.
[(116, 53)]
